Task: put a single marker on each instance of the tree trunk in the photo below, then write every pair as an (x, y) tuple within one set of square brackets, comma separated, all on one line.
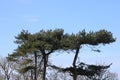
[(45, 57), (8, 77), (74, 73), (35, 70), (74, 76), (74, 64)]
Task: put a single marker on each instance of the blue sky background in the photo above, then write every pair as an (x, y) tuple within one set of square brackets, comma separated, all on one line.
[(72, 16)]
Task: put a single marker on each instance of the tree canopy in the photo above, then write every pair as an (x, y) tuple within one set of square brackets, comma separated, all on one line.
[(44, 43)]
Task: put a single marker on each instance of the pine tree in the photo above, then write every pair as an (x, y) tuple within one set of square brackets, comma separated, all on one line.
[(76, 41), (41, 44)]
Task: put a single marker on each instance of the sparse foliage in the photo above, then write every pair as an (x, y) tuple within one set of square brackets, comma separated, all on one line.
[(6, 69)]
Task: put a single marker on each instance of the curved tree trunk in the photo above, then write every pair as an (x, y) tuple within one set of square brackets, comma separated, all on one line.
[(74, 64)]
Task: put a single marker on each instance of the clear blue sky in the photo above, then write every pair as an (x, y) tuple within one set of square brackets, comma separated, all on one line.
[(71, 15)]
